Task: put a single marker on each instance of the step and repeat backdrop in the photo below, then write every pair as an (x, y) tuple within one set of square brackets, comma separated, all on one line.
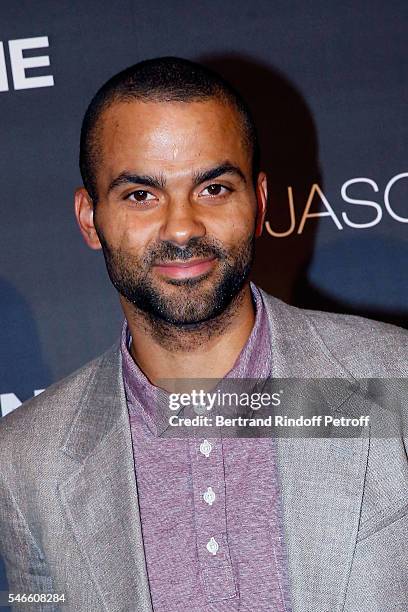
[(327, 83)]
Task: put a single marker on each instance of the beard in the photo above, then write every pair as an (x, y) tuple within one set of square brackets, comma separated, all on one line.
[(180, 302)]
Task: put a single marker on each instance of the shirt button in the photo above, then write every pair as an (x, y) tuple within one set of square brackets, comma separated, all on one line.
[(200, 409), (212, 546), (209, 496), (205, 448)]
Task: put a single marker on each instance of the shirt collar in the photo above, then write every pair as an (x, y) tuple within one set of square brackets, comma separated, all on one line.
[(253, 362)]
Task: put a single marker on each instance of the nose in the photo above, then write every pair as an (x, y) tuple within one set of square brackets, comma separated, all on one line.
[(181, 223)]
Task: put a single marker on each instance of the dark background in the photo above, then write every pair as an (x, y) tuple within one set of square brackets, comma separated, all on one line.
[(327, 84)]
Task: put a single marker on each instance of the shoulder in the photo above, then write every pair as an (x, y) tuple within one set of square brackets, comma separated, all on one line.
[(371, 347), (49, 414), (382, 346)]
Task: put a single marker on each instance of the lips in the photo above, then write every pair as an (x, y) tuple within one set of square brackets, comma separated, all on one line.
[(185, 269)]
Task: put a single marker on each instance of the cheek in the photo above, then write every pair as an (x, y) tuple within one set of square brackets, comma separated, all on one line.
[(126, 232), (234, 227), (135, 238)]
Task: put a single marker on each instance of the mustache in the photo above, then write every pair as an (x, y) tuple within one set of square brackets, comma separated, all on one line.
[(195, 248)]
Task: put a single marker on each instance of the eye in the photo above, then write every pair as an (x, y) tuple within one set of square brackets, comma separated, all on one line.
[(215, 190), (140, 195)]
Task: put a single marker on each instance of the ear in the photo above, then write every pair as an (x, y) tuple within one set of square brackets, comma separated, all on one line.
[(261, 199), (84, 212)]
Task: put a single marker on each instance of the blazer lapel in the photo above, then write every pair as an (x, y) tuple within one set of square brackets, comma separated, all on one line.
[(99, 497), (322, 480)]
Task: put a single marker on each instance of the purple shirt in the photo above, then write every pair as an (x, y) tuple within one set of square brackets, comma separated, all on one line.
[(210, 509)]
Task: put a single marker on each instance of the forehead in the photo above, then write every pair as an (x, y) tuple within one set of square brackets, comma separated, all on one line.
[(173, 135)]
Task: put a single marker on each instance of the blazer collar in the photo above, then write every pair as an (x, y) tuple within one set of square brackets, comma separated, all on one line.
[(297, 349)]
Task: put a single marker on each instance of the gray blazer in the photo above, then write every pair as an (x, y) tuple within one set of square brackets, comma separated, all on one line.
[(69, 520)]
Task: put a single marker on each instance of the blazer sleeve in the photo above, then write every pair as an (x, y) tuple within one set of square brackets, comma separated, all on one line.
[(25, 563)]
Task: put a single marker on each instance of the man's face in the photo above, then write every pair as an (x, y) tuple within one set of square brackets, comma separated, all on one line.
[(177, 209)]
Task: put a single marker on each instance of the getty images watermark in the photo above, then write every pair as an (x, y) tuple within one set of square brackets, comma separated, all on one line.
[(202, 402), (284, 407)]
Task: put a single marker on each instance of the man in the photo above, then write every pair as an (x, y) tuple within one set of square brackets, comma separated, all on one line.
[(97, 505)]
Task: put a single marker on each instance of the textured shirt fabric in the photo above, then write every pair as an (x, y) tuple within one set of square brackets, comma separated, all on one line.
[(210, 508)]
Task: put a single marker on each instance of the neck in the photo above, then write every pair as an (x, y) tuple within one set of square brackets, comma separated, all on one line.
[(206, 350)]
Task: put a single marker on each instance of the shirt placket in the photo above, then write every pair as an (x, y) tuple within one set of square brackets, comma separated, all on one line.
[(215, 567)]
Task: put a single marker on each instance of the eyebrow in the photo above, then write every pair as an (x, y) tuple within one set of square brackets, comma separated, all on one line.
[(126, 178), (159, 181), (208, 175)]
